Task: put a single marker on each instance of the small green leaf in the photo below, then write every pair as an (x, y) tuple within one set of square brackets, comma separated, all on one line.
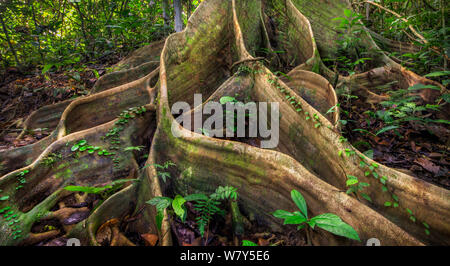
[(295, 219), (178, 206), (352, 182), (388, 204), (332, 223), (385, 129), (437, 74), (159, 218), (227, 99), (4, 198), (300, 202), (82, 142), (248, 243), (367, 197), (395, 197), (282, 214), (75, 147)]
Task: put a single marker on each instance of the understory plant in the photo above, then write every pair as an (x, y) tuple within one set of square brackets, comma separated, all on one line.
[(205, 206), (161, 169), (327, 221)]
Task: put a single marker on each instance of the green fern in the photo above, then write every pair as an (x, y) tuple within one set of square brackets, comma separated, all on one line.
[(134, 148), (225, 193), (205, 206)]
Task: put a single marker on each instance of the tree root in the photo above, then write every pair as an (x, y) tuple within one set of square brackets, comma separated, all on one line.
[(311, 156)]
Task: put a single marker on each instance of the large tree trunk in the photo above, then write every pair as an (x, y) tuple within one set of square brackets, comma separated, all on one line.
[(178, 15), (165, 10), (220, 35)]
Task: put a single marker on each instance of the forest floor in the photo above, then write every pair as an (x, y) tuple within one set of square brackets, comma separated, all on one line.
[(415, 148), (23, 92)]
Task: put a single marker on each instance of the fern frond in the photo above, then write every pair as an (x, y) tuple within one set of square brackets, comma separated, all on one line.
[(225, 193)]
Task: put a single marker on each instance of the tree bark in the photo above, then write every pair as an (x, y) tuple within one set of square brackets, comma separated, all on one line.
[(311, 156), (165, 9), (177, 7)]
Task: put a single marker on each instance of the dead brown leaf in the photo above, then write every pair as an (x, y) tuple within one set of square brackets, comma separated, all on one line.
[(150, 239), (428, 165)]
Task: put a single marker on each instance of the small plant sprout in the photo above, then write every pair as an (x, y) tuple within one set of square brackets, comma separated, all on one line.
[(355, 187), (50, 159), (162, 173), (206, 207), (327, 221), (78, 145), (21, 179), (134, 148), (248, 243)]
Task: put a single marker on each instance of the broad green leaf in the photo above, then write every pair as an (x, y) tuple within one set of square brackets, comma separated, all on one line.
[(227, 99), (248, 243), (82, 142), (282, 214), (177, 205), (159, 218), (4, 198), (300, 202), (423, 87), (75, 147), (437, 74), (295, 219), (352, 182), (347, 12), (333, 224)]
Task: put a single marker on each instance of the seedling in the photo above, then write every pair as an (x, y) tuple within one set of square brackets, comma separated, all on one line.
[(327, 221), (50, 159), (163, 174), (205, 206)]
